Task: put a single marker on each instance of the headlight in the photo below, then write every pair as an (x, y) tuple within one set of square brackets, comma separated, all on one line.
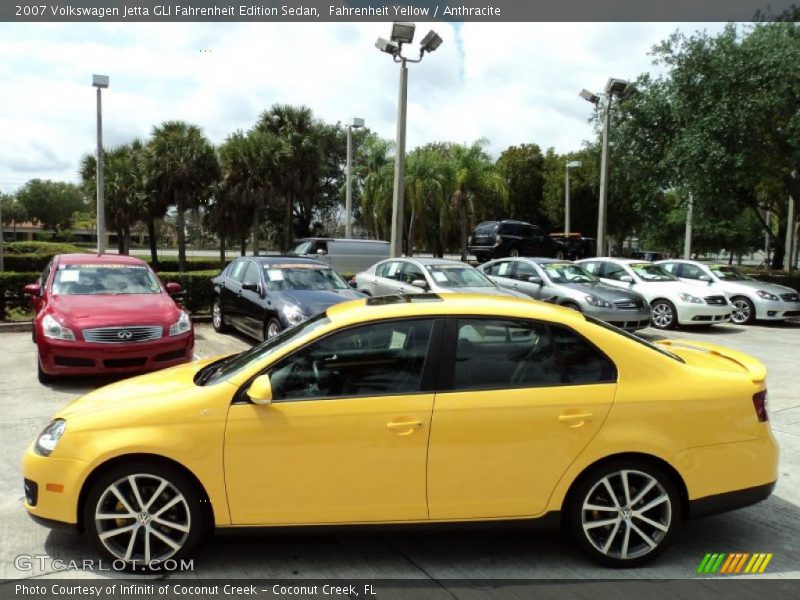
[(293, 314), (47, 440), (767, 296), (690, 298), (598, 302), (182, 325), (54, 330)]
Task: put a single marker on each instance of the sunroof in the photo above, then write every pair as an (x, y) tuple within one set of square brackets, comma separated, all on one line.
[(403, 299)]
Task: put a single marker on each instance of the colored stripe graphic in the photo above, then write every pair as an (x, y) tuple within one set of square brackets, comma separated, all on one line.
[(734, 563)]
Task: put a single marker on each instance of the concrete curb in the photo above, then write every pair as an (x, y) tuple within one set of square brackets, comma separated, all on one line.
[(21, 326)]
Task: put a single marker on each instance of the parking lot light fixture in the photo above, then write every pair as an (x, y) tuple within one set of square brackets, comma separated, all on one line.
[(402, 33), (348, 224), (622, 89), (100, 82), (573, 164)]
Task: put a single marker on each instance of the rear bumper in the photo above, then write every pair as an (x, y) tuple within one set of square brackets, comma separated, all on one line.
[(82, 358), (720, 503)]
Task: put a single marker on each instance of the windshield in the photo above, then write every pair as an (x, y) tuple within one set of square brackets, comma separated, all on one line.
[(568, 273), (650, 272), (281, 278), (727, 273), (451, 276), (73, 280), (230, 366)]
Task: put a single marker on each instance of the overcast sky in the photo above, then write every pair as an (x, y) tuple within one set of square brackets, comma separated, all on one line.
[(511, 83)]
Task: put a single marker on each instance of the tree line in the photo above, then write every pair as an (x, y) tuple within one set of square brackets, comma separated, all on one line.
[(720, 126)]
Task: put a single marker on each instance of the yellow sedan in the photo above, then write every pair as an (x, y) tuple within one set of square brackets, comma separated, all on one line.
[(418, 409)]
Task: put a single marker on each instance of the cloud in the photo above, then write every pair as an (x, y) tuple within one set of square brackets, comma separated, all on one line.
[(510, 83)]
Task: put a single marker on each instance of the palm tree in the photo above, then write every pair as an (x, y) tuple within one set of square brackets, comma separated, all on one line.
[(473, 176), (185, 169), (299, 176), (426, 193), (124, 187), (376, 179)]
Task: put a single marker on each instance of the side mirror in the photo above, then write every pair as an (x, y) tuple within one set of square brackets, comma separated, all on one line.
[(535, 279), (321, 252), (260, 391), (253, 287), (420, 283), (626, 279), (705, 278), (33, 289), (173, 288)]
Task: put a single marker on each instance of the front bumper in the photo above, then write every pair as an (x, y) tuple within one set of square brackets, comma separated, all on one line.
[(770, 310), (59, 357), (52, 488), (629, 320), (690, 313)]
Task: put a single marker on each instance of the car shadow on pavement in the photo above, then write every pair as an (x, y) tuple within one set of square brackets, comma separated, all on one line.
[(503, 553)]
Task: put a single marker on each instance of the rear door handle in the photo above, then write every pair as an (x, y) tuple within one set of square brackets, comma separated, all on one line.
[(408, 426), (575, 420)]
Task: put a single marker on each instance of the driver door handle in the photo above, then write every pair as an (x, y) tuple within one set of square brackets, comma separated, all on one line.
[(408, 426), (575, 420)]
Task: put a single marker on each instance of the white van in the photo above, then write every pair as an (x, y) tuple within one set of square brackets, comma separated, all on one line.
[(344, 256)]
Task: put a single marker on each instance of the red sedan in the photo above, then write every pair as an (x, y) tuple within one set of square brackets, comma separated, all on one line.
[(106, 314)]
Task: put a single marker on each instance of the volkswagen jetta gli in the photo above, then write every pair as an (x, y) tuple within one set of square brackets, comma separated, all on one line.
[(415, 409)]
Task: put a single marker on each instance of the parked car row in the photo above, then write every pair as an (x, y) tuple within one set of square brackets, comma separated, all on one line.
[(112, 314)]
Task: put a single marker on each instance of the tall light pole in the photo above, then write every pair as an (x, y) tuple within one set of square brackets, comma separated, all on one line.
[(402, 33), (573, 164), (100, 82), (348, 205), (687, 238), (614, 87)]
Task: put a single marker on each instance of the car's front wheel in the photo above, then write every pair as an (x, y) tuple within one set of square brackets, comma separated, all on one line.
[(272, 328), (743, 312), (623, 513), (143, 514), (663, 315), (218, 317)]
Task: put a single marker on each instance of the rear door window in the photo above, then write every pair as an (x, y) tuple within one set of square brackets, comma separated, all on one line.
[(237, 270)]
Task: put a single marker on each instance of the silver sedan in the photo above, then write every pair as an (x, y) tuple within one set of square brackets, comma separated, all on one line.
[(418, 275), (570, 285)]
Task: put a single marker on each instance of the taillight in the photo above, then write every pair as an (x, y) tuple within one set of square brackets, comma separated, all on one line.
[(760, 404)]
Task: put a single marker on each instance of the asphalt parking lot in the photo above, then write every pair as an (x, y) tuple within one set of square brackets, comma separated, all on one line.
[(773, 526)]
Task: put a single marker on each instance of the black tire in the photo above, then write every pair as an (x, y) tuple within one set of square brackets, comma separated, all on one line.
[(189, 513), (664, 315), (744, 312), (218, 317), (33, 333), (272, 327), (617, 543), (41, 375)]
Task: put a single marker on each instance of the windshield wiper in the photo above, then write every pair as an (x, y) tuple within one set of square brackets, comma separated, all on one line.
[(209, 371)]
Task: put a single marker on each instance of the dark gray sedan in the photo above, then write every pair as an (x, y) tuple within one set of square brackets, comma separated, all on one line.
[(570, 285), (417, 275)]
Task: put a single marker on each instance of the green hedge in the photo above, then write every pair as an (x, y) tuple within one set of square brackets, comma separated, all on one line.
[(48, 248), (27, 262), (196, 291), (12, 299)]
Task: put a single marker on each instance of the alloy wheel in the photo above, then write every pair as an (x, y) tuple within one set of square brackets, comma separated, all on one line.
[(626, 514), (216, 315), (663, 315), (514, 253), (272, 329), (142, 517), (741, 312)]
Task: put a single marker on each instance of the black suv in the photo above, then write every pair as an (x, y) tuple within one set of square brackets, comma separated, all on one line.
[(498, 239)]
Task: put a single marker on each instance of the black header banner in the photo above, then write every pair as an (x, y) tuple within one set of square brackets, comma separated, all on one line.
[(409, 10)]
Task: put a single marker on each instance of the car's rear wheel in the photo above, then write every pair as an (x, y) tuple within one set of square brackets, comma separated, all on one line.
[(743, 312), (143, 514), (218, 317), (663, 315), (272, 328), (623, 513)]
